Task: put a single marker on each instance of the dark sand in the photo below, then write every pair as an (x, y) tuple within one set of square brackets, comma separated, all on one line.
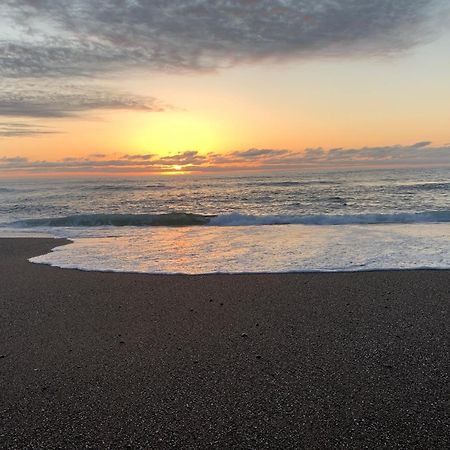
[(102, 360)]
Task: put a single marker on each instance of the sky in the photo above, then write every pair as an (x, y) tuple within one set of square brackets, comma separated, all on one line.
[(211, 86)]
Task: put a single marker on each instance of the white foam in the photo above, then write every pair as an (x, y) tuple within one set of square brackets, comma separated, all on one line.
[(285, 248), (232, 219), (235, 219)]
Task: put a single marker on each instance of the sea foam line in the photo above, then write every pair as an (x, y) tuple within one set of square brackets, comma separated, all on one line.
[(233, 219)]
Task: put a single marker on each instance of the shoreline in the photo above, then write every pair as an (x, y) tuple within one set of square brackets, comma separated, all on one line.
[(69, 241), (310, 359)]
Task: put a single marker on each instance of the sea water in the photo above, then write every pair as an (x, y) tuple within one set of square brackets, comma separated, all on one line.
[(328, 221)]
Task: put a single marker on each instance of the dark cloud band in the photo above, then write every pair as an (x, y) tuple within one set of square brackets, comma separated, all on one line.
[(82, 37)]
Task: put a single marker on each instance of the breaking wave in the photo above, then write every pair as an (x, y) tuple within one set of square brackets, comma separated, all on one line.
[(323, 219), (118, 220), (233, 219)]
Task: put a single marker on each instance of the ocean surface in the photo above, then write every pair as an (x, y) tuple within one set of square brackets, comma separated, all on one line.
[(328, 221)]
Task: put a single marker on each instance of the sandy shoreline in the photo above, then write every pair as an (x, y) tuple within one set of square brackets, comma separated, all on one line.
[(350, 360)]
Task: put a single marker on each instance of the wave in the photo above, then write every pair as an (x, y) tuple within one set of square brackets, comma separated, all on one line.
[(118, 220), (233, 219), (426, 186), (325, 219)]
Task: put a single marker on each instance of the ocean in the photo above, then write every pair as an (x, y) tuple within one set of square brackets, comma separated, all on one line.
[(327, 221)]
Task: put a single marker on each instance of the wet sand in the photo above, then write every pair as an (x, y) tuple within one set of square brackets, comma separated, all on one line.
[(103, 360)]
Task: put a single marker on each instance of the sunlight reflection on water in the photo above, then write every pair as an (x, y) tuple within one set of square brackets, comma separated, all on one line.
[(283, 248)]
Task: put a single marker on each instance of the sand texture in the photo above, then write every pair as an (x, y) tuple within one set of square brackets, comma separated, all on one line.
[(103, 360)]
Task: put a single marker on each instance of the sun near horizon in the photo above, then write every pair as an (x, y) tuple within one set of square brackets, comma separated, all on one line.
[(226, 98)]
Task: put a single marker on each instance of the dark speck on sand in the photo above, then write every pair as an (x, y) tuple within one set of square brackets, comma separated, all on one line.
[(330, 366)]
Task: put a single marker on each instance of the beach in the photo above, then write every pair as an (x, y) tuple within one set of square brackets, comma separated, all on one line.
[(306, 360)]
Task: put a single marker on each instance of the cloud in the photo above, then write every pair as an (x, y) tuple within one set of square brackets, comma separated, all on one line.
[(181, 158), (421, 144), (385, 154), (416, 155), (259, 153), (132, 163), (57, 38), (189, 157), (59, 99), (15, 161), (18, 129), (137, 157), (54, 53)]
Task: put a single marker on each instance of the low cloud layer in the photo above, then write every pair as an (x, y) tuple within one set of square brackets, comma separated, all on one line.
[(82, 37), (421, 154)]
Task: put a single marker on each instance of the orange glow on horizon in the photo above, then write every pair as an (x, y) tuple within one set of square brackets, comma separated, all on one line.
[(171, 173), (369, 103)]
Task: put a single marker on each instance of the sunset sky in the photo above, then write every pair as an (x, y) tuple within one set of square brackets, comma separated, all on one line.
[(135, 86)]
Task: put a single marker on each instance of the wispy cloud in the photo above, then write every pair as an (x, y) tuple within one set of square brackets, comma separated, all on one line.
[(54, 53), (19, 129), (259, 153), (421, 154), (14, 161), (80, 38), (59, 99), (139, 157)]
